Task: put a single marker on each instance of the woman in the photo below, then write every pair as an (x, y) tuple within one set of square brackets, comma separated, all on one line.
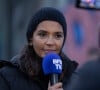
[(46, 33)]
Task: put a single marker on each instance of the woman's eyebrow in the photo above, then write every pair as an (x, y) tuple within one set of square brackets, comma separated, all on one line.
[(59, 32), (41, 30)]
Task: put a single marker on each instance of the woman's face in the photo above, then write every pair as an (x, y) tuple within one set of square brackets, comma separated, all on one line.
[(48, 37)]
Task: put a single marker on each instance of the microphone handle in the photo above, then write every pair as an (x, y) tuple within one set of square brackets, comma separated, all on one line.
[(53, 79)]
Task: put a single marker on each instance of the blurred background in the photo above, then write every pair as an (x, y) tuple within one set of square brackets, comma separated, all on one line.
[(82, 26)]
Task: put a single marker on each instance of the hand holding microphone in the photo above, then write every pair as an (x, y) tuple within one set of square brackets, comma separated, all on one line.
[(52, 65), (57, 86)]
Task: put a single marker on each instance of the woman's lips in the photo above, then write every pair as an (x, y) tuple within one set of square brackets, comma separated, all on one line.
[(49, 51)]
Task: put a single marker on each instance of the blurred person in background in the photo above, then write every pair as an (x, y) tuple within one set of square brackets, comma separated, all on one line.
[(87, 77), (93, 53), (47, 31)]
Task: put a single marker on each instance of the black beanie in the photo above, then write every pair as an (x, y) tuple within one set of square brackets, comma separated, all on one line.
[(46, 13)]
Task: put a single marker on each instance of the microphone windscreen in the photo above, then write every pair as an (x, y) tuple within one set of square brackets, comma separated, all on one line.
[(52, 64)]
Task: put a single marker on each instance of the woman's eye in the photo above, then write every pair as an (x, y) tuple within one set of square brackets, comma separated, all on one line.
[(58, 36), (42, 34)]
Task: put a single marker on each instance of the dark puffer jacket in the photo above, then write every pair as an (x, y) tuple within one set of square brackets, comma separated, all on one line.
[(12, 78)]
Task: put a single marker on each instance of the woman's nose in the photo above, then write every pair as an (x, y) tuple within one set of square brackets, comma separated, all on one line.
[(50, 41)]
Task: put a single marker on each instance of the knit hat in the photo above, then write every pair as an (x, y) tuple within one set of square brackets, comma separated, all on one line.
[(46, 13)]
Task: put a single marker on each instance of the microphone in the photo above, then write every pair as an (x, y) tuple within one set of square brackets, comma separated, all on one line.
[(52, 65)]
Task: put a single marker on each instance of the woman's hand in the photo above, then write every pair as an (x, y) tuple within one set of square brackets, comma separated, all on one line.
[(57, 86)]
